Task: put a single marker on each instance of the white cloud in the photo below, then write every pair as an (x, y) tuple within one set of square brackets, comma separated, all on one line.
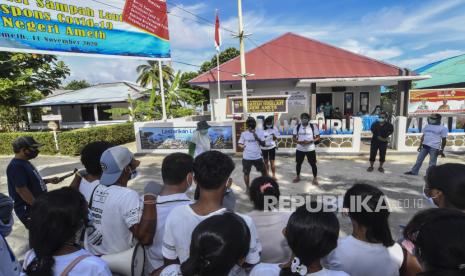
[(381, 53), (417, 62)]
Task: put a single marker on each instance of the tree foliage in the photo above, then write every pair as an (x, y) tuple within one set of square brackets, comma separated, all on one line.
[(77, 84), (225, 55)]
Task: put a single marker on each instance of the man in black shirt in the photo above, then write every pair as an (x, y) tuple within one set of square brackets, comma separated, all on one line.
[(381, 131), (24, 181)]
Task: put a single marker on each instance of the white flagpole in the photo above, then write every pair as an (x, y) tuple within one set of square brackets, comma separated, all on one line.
[(219, 82), (162, 91)]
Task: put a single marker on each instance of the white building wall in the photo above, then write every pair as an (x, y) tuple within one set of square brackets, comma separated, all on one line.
[(274, 88)]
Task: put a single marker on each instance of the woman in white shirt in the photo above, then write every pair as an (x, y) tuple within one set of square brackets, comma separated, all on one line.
[(57, 221), (370, 249), (218, 247), (268, 221), (311, 235), (269, 150), (201, 141)]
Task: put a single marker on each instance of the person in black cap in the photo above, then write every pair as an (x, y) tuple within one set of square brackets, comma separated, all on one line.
[(200, 139), (24, 181)]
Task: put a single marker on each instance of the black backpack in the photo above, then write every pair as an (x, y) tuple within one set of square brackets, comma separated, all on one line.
[(313, 133)]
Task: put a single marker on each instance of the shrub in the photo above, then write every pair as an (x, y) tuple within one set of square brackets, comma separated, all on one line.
[(71, 142), (45, 138)]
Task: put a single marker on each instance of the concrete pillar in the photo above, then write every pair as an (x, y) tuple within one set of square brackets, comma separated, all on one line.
[(403, 88), (29, 115), (313, 100), (400, 131), (95, 113), (357, 136)]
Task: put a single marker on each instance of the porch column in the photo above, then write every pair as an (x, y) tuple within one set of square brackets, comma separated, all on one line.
[(58, 110), (29, 115), (313, 100), (95, 113)]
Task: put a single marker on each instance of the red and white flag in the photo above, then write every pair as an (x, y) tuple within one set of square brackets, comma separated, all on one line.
[(217, 32)]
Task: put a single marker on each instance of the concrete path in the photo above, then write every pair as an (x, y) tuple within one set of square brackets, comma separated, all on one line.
[(337, 174)]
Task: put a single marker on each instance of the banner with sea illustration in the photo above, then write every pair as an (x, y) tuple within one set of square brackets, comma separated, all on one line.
[(116, 28)]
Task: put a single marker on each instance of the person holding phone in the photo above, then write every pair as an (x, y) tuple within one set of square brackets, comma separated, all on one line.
[(250, 141), (271, 134)]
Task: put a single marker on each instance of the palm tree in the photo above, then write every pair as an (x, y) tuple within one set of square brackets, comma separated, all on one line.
[(149, 76), (177, 96)]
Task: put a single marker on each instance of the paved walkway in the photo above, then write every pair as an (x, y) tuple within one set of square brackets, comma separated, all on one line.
[(337, 174)]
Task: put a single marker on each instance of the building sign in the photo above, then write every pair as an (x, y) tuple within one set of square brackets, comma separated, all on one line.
[(273, 104), (85, 27), (178, 137), (296, 98), (444, 101), (149, 15)]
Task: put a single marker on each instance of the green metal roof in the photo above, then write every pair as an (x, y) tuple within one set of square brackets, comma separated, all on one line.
[(443, 72)]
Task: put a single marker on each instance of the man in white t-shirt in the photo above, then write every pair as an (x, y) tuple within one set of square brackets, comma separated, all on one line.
[(212, 172), (118, 215), (305, 136), (200, 139), (250, 141), (432, 143), (177, 174)]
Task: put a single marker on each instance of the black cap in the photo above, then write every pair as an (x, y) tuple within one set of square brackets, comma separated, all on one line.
[(203, 125), (25, 142)]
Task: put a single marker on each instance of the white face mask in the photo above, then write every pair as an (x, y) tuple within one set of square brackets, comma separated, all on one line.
[(429, 199), (269, 126), (203, 131)]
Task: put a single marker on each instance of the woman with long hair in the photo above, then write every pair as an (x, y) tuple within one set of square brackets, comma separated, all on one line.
[(370, 249), (218, 247), (57, 221), (311, 235)]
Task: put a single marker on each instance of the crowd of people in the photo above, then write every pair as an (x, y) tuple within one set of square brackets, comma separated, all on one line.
[(73, 230)]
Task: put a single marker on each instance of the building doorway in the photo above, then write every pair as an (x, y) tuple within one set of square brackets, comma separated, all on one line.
[(323, 98)]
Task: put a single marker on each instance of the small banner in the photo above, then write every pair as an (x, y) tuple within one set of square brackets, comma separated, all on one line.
[(274, 104), (444, 101)]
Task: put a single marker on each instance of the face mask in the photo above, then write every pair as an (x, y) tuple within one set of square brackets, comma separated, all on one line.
[(269, 126), (381, 120), (203, 131), (304, 122), (134, 174), (429, 199), (32, 153), (5, 229)]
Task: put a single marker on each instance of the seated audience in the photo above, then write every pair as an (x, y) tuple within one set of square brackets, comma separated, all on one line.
[(177, 174), (57, 220), (371, 245), (8, 263), (118, 214), (437, 234), (445, 186), (87, 180), (311, 236), (219, 245), (212, 170), (269, 223)]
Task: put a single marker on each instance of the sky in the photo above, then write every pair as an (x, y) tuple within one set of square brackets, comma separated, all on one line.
[(408, 34)]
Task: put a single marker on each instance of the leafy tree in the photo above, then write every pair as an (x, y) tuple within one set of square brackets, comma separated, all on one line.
[(149, 76), (25, 78), (77, 84), (225, 55)]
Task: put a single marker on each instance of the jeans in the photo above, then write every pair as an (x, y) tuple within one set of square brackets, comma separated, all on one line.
[(433, 158)]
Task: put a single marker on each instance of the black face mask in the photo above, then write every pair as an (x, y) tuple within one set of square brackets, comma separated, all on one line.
[(32, 153), (252, 125)]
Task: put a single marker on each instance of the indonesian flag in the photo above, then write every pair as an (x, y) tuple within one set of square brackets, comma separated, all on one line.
[(217, 33)]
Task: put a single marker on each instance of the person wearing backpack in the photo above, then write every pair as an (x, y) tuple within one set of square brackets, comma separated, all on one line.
[(306, 136)]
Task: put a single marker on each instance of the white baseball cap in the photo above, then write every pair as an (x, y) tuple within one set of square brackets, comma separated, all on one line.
[(113, 162)]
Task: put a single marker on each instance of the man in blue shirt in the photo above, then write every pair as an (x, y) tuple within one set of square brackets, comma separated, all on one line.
[(24, 181), (433, 141)]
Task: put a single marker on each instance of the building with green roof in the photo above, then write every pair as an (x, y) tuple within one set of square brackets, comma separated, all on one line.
[(446, 73)]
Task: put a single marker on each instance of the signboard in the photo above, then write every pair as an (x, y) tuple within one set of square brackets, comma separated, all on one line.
[(148, 15), (178, 137), (85, 27), (271, 104), (296, 98), (444, 101), (51, 118)]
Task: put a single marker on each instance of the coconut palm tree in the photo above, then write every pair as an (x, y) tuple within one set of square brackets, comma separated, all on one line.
[(149, 76)]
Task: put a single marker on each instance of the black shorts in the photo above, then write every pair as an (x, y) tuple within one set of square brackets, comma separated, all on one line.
[(247, 165), (269, 154), (300, 156)]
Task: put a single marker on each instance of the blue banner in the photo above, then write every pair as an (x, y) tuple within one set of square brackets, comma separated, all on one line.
[(84, 27)]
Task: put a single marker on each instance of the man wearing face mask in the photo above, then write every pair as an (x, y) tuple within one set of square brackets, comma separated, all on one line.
[(8, 262), (305, 136), (118, 213), (24, 181), (432, 143), (200, 139), (381, 131)]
